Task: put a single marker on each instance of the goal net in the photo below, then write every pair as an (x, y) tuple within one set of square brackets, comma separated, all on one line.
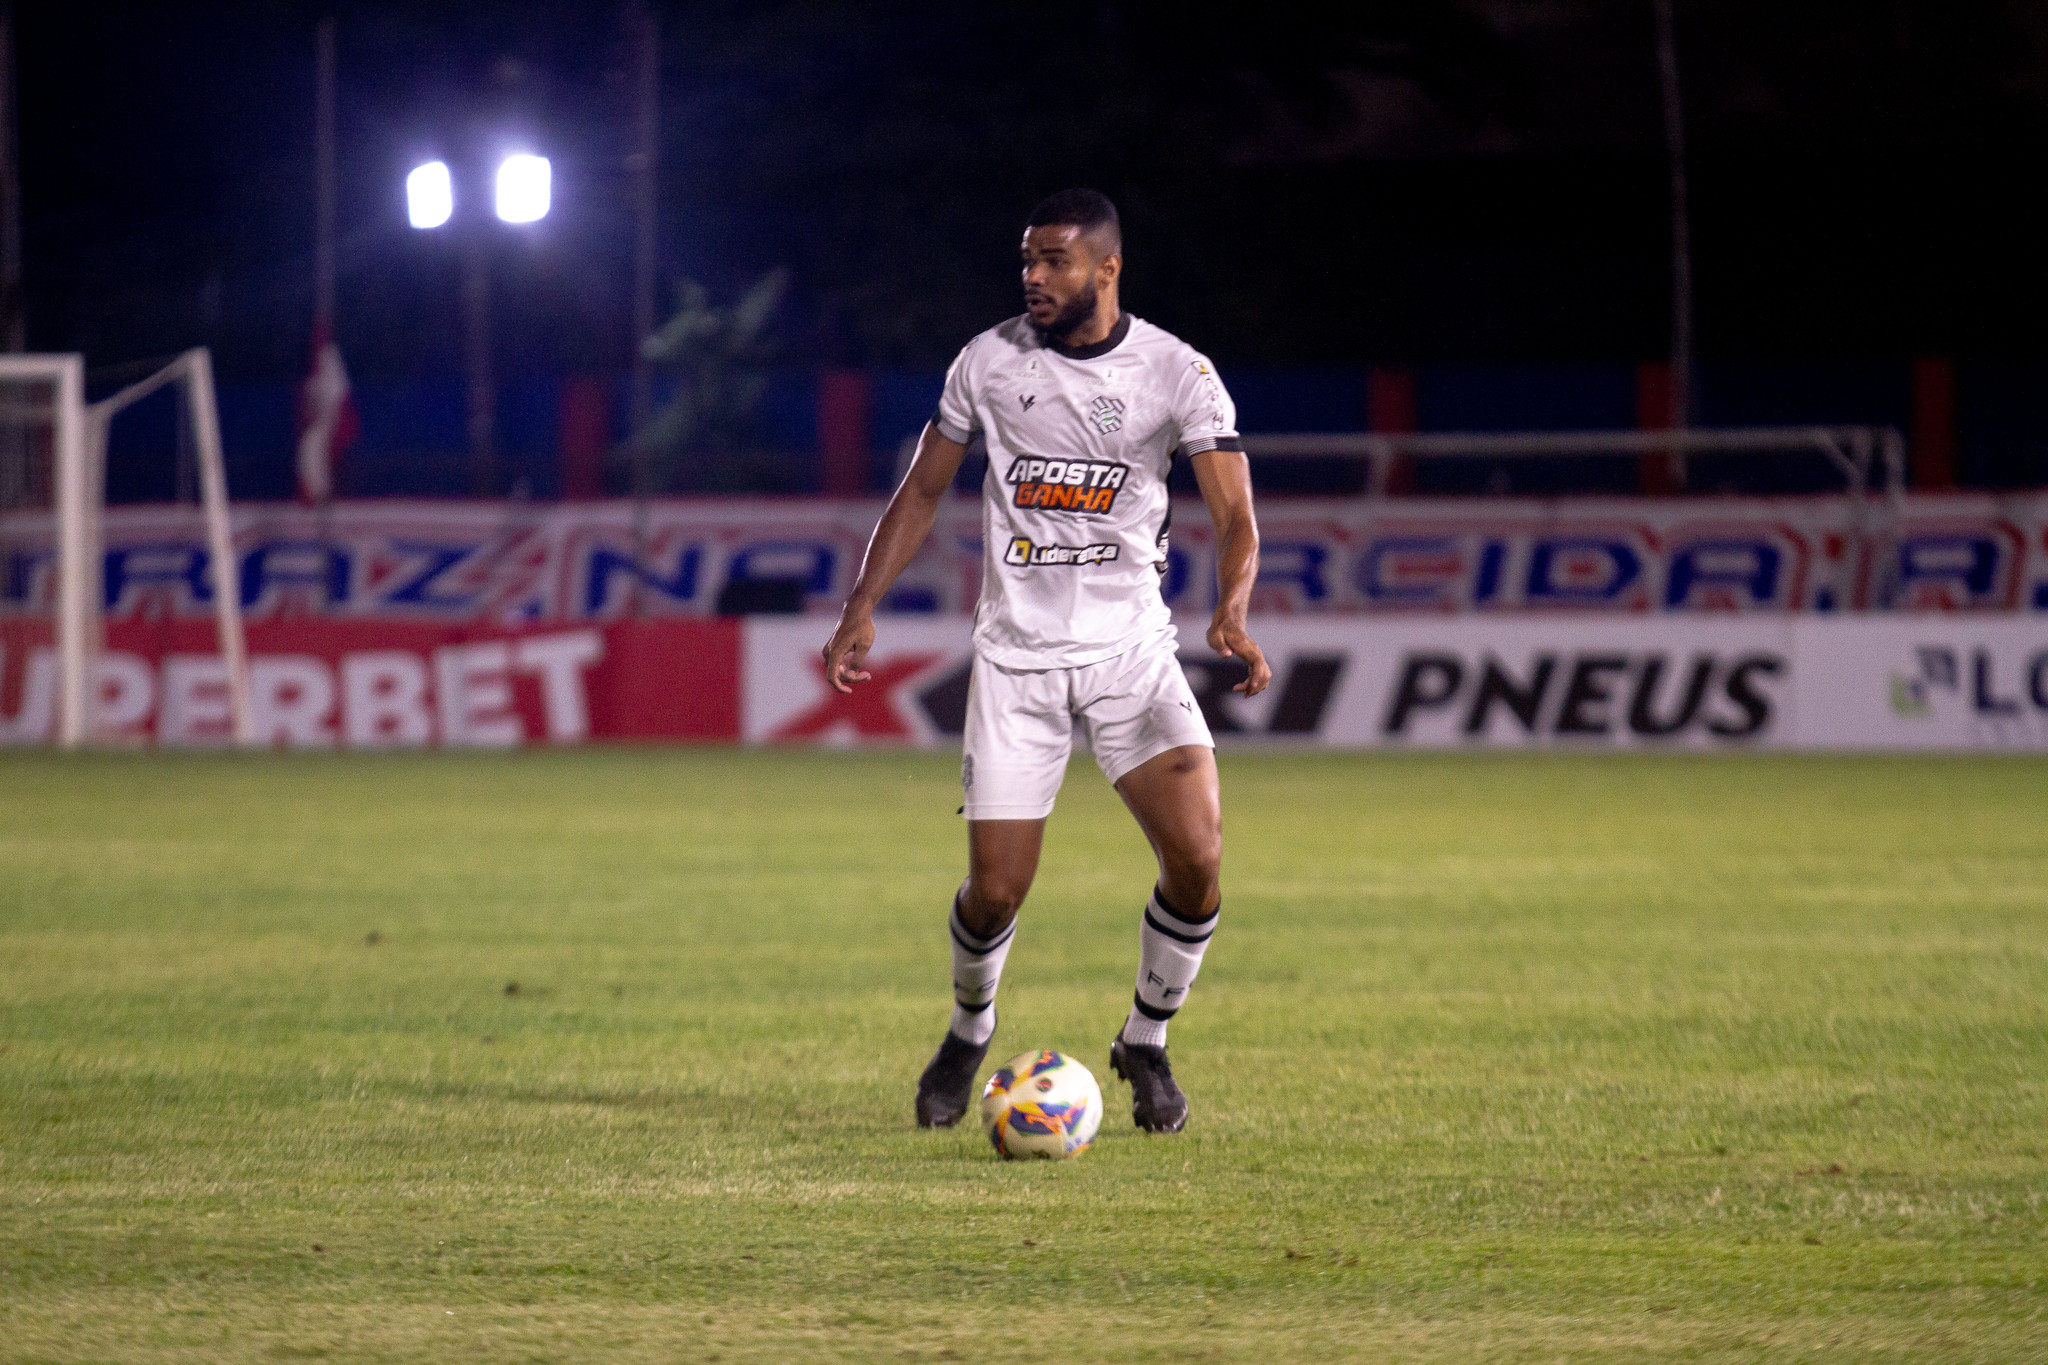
[(1865, 465), (53, 458)]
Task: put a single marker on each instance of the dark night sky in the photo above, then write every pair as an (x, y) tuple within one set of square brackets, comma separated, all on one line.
[(1412, 182)]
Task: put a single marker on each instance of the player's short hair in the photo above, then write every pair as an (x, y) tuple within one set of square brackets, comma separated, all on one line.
[(1088, 210)]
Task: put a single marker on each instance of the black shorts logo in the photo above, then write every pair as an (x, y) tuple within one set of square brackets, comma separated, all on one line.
[(1088, 487), (1026, 555)]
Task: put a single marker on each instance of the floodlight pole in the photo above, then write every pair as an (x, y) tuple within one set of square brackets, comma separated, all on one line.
[(1681, 231), (482, 411), (645, 165), (324, 260), (13, 314), (323, 178), (474, 244), (13, 319)]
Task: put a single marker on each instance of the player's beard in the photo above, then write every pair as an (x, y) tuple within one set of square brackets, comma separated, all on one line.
[(1072, 314)]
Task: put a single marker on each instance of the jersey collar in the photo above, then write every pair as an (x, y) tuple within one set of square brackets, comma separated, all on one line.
[(1100, 348)]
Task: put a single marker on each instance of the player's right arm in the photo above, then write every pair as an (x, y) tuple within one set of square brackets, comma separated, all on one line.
[(904, 525)]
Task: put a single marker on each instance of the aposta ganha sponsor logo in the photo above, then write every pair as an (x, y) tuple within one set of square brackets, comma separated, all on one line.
[(1085, 486)]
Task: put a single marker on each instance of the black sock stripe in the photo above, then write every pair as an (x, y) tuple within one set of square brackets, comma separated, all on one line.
[(1152, 923), (1153, 1012), (1167, 906), (961, 937), (972, 1009)]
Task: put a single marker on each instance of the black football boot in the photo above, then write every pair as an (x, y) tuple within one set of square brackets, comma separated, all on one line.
[(1157, 1105), (947, 1086)]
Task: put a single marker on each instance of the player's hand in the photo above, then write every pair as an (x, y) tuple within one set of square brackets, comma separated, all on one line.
[(847, 650), (1228, 637)]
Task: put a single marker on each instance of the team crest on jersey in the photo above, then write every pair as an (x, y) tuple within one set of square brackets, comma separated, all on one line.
[(1085, 486), (1107, 413), (1026, 555)]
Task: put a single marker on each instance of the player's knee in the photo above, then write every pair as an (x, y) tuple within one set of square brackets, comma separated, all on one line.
[(991, 901), (1194, 866), (1201, 853), (1205, 870)]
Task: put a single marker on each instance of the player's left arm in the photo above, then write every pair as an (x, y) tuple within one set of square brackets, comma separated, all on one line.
[(1225, 477)]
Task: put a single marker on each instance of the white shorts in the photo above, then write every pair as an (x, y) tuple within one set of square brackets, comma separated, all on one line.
[(1020, 725)]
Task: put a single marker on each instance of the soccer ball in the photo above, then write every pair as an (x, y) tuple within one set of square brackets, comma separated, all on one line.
[(1042, 1104)]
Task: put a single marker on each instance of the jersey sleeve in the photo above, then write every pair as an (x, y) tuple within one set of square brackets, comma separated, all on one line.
[(957, 418), (1201, 406)]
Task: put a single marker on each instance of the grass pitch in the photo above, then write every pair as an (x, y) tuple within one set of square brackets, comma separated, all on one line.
[(610, 1055)]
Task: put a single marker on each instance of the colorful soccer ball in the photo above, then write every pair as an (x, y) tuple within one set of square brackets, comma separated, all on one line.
[(1042, 1104)]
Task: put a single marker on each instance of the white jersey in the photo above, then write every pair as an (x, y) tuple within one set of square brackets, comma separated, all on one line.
[(1074, 506)]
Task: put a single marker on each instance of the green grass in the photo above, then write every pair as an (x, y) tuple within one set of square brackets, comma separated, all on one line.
[(1515, 1058)]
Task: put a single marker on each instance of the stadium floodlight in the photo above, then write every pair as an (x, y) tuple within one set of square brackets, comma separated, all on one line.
[(523, 188), (429, 195)]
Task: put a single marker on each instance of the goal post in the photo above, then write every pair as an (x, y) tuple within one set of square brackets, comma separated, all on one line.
[(44, 454), (53, 460), (194, 370)]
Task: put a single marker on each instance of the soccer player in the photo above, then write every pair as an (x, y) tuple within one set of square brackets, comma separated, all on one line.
[(1084, 408)]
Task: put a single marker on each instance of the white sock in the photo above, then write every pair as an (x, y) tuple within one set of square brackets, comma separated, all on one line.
[(977, 967), (1169, 954)]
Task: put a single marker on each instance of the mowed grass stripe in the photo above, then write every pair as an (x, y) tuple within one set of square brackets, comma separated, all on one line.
[(1516, 1057)]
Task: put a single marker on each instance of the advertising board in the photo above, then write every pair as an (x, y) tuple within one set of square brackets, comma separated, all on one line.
[(1587, 683), (384, 685), (1928, 681), (500, 563)]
